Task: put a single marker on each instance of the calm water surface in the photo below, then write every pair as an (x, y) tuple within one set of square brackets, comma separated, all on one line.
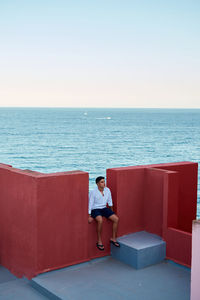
[(92, 140)]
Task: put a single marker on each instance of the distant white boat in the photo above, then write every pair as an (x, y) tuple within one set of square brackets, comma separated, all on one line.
[(104, 118)]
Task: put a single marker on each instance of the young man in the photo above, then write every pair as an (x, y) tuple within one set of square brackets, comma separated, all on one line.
[(98, 200)]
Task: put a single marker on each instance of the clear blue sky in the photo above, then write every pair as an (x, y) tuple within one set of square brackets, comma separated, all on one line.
[(100, 53)]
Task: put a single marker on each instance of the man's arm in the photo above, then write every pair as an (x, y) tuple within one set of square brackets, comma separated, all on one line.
[(109, 201)]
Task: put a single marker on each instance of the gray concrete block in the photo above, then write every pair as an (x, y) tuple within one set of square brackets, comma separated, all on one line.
[(140, 249)]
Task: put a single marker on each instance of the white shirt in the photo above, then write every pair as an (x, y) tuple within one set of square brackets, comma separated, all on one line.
[(97, 200)]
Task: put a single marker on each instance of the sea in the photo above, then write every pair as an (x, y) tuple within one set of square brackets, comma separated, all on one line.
[(94, 139)]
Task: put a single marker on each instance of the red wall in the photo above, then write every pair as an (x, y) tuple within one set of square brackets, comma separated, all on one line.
[(155, 198), (171, 199), (43, 217), (44, 221), (179, 246), (17, 221), (127, 186), (64, 235), (187, 192), (62, 229)]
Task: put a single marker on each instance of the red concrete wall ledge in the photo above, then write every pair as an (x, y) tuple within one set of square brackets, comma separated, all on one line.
[(160, 199), (43, 220), (43, 217)]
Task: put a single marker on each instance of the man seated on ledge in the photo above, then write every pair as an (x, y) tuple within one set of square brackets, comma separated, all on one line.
[(98, 200)]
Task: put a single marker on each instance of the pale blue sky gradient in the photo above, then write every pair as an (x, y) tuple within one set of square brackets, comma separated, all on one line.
[(100, 53)]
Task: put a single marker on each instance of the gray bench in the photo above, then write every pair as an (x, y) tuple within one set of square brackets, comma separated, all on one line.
[(140, 249)]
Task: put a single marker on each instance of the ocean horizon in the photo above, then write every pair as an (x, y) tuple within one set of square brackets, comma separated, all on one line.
[(56, 139)]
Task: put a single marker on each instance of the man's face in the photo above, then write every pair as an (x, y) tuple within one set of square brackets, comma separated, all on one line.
[(101, 184)]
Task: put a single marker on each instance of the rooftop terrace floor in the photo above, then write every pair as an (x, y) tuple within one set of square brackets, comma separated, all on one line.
[(14, 288), (104, 278)]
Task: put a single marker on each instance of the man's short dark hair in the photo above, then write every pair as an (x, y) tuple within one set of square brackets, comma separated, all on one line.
[(99, 179)]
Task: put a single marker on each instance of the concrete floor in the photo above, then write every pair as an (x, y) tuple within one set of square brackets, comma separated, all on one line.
[(108, 278), (12, 288)]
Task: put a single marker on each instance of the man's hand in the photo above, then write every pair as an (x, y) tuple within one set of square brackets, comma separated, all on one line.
[(90, 219)]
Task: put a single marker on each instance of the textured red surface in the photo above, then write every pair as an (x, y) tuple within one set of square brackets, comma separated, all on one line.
[(160, 199), (43, 217), (187, 192), (62, 220), (18, 228), (127, 187), (43, 220), (153, 204), (179, 246)]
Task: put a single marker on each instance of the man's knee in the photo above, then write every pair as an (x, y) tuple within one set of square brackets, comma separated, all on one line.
[(99, 219), (114, 218)]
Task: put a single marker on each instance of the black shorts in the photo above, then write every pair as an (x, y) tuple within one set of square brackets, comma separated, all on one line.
[(104, 212)]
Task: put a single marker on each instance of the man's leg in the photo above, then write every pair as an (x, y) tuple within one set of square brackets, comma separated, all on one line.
[(114, 218), (99, 221)]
